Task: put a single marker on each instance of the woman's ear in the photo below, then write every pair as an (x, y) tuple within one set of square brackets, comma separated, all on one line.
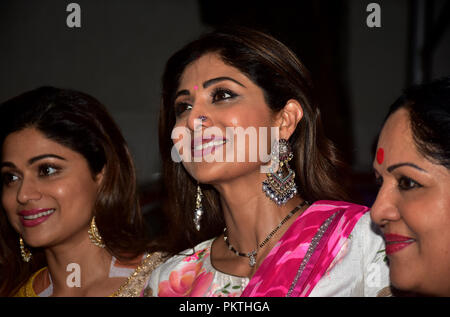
[(289, 118), (99, 177)]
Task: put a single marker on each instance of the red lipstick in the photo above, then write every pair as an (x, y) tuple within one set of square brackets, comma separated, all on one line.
[(34, 217), (396, 242)]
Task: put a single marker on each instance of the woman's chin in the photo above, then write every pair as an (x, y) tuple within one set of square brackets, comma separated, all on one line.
[(37, 242), (221, 172), (407, 286)]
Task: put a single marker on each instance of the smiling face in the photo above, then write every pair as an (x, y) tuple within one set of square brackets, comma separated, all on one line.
[(48, 190), (213, 96), (413, 210)]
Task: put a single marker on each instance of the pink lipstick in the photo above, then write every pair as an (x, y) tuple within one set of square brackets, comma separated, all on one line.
[(395, 242), (34, 217)]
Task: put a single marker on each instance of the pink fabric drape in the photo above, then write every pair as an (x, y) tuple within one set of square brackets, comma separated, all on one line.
[(303, 254)]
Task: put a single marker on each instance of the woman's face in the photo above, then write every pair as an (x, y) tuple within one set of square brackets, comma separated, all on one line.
[(215, 97), (48, 190), (413, 210)]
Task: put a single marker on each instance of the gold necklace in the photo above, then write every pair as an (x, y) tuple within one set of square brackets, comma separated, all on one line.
[(252, 254)]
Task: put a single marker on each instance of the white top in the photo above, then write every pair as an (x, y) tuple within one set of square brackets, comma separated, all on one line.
[(359, 269)]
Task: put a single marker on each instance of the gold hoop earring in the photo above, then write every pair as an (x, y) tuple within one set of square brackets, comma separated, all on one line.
[(94, 235), (24, 252)]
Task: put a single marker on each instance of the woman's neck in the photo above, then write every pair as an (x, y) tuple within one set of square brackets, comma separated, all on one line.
[(249, 215), (76, 265)]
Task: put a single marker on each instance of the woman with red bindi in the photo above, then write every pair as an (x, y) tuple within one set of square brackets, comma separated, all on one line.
[(412, 167)]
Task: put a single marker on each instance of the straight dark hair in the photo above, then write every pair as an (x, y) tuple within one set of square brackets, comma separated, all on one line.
[(428, 106), (81, 123), (279, 73)]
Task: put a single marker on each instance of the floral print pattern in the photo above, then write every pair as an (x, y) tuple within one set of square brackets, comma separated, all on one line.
[(228, 291), (194, 276), (191, 273), (191, 280)]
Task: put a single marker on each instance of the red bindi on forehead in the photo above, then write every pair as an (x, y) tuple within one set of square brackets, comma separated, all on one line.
[(380, 155)]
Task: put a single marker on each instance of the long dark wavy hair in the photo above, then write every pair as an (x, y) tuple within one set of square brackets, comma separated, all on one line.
[(279, 73), (81, 123)]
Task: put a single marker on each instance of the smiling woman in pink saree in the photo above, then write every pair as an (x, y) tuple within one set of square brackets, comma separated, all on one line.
[(286, 230)]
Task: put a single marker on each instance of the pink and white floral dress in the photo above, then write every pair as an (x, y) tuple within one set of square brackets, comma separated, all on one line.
[(358, 267)]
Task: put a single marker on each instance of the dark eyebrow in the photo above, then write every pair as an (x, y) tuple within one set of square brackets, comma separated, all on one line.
[(7, 164), (183, 92), (43, 156), (395, 166), (33, 160), (210, 82)]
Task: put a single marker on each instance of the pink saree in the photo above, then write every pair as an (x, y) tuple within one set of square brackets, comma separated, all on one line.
[(303, 254)]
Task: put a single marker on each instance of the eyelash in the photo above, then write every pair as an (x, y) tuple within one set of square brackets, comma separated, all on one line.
[(413, 184), (218, 91), (7, 177), (44, 167), (181, 107), (401, 183)]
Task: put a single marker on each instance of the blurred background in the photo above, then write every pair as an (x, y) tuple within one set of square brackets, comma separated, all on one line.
[(119, 52)]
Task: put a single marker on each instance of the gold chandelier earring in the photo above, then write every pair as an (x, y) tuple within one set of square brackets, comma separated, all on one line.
[(24, 252), (94, 235)]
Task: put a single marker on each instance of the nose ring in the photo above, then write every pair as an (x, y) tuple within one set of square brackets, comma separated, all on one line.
[(202, 118)]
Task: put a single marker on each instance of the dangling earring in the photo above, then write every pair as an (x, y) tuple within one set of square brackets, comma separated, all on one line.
[(24, 252), (280, 185), (198, 208), (94, 235)]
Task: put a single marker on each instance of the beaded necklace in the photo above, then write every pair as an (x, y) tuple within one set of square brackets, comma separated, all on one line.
[(252, 254)]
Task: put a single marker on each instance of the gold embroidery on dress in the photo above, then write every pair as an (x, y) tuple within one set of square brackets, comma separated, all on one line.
[(135, 283), (133, 287), (385, 292)]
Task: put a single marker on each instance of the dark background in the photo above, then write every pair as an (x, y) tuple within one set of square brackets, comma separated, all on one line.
[(120, 50)]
